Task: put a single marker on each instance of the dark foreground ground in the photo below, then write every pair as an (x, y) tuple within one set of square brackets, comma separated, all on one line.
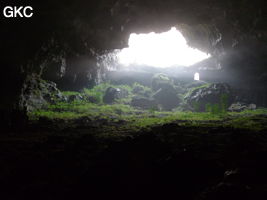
[(169, 161)]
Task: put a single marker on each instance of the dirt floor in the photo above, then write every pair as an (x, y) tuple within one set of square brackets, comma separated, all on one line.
[(169, 161)]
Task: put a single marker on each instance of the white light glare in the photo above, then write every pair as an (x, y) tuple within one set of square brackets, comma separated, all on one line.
[(196, 77), (160, 50)]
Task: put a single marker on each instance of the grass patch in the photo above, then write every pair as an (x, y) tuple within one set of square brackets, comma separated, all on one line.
[(69, 93), (98, 91), (36, 115), (135, 119), (254, 123), (259, 111)]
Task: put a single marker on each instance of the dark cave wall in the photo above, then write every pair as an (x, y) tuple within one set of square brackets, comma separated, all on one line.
[(63, 39)]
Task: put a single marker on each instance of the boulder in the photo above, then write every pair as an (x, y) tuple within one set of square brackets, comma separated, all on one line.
[(167, 98), (112, 94), (37, 93), (73, 98), (161, 81), (252, 106), (239, 106), (216, 94)]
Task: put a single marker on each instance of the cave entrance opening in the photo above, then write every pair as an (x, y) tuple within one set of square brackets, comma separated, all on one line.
[(160, 50)]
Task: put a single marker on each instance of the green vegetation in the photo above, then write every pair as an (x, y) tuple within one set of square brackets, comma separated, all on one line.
[(128, 117), (196, 106), (69, 93), (98, 91), (141, 90), (78, 109), (251, 122), (137, 119), (221, 107), (224, 101), (259, 111)]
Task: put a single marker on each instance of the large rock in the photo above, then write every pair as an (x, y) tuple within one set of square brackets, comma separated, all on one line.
[(74, 97), (161, 81), (166, 94), (37, 93), (112, 94), (216, 94), (167, 98), (239, 106)]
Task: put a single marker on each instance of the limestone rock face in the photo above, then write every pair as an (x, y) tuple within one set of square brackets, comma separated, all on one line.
[(214, 94), (36, 93)]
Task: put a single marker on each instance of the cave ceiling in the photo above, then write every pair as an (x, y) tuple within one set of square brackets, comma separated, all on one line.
[(219, 27)]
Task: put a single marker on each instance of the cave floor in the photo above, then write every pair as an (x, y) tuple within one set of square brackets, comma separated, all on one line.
[(182, 159)]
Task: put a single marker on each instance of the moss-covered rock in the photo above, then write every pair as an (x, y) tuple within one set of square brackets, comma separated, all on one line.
[(38, 93), (161, 80), (215, 97), (167, 98)]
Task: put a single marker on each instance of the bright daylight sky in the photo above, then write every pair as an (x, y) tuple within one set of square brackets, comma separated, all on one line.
[(160, 50)]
